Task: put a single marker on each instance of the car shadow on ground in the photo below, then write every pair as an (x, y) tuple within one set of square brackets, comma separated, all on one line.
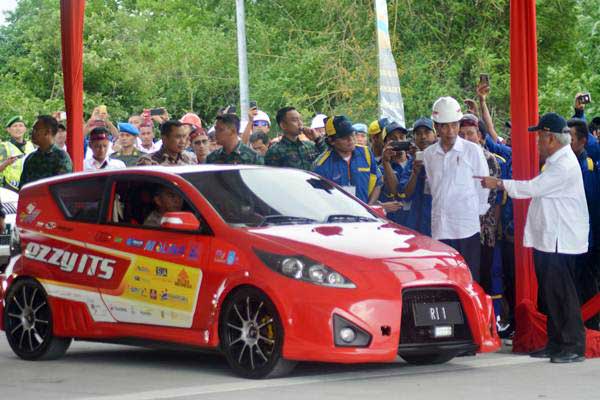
[(211, 363)]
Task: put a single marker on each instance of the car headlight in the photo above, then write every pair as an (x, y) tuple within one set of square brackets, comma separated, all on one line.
[(304, 269)]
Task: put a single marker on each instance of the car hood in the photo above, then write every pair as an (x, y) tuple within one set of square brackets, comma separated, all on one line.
[(398, 248)]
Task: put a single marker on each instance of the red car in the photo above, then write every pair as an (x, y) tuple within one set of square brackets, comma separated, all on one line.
[(269, 266)]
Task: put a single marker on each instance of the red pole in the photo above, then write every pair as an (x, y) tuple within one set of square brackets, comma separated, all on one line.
[(71, 22), (530, 333)]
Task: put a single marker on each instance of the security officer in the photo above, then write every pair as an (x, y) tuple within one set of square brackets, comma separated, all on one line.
[(557, 229), (128, 153), (16, 146), (587, 264), (232, 150), (350, 166)]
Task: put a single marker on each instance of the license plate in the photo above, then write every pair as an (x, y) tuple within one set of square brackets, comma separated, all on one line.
[(428, 314)]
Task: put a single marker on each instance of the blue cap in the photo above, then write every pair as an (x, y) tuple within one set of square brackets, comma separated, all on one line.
[(128, 128), (338, 127), (423, 122), (360, 128), (550, 122)]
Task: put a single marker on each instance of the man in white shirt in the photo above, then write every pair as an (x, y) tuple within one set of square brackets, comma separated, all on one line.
[(99, 145), (457, 199), (557, 228)]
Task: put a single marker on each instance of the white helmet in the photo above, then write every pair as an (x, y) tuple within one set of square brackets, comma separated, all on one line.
[(446, 109), (318, 121), (262, 116)]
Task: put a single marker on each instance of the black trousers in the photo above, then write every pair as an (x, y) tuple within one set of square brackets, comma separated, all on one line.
[(557, 298), (485, 268), (470, 249)]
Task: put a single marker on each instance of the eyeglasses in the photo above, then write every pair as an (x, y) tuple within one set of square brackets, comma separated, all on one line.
[(203, 142), (260, 123)]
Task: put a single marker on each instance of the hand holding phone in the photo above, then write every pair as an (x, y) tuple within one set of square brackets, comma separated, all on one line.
[(584, 98), (252, 105)]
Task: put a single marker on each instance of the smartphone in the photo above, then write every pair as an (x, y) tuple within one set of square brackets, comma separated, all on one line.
[(157, 111), (252, 105), (484, 79), (400, 146), (63, 116), (585, 98)]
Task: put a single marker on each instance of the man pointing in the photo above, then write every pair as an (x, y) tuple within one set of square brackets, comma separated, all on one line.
[(557, 228)]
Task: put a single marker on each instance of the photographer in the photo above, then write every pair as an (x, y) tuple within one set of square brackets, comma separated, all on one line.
[(413, 181), (394, 159)]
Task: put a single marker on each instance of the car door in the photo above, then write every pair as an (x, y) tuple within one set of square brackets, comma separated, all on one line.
[(163, 278)]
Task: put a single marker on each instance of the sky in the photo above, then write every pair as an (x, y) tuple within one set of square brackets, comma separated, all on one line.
[(6, 5)]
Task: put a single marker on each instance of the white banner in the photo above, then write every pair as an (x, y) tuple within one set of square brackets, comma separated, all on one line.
[(391, 104)]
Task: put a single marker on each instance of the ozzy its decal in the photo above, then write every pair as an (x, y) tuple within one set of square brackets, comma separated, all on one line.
[(70, 261)]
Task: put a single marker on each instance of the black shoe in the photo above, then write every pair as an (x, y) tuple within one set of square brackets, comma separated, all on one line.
[(566, 357), (542, 353)]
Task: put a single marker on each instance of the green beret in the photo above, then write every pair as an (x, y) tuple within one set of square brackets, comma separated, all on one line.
[(14, 120)]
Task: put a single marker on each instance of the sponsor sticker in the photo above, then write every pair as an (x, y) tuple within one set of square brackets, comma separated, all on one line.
[(132, 242), (161, 271), (220, 256), (231, 257)]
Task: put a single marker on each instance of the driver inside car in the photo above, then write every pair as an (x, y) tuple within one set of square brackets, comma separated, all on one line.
[(166, 200)]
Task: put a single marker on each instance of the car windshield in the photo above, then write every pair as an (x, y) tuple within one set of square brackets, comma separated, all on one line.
[(270, 196)]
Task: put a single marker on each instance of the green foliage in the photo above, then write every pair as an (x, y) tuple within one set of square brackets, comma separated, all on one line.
[(319, 55)]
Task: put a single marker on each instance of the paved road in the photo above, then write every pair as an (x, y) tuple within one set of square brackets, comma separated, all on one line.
[(110, 372)]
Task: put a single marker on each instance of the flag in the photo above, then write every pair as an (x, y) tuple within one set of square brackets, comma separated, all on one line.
[(391, 104)]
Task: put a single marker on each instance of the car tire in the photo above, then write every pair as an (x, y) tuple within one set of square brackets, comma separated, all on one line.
[(28, 323), (251, 335), (428, 359)]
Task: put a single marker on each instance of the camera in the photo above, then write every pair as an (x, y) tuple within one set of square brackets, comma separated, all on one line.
[(584, 98), (398, 145)]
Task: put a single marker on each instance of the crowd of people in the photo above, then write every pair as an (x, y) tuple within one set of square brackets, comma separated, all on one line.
[(448, 177)]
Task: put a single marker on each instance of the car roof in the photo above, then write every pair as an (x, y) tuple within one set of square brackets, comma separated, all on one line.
[(157, 170)]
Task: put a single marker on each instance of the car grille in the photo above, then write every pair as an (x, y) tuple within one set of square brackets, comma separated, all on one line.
[(9, 208), (411, 334)]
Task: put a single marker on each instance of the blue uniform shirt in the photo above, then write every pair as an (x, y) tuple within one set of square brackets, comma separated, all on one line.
[(591, 184), (400, 215), (419, 215), (497, 148), (361, 171)]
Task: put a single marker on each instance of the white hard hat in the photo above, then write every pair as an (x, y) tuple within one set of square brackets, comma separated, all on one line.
[(446, 109), (318, 121), (262, 116)]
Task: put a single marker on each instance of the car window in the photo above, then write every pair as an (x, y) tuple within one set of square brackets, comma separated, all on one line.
[(80, 200), (264, 196), (141, 203)]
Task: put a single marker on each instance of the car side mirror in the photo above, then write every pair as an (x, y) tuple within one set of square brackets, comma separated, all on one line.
[(182, 220), (379, 210)]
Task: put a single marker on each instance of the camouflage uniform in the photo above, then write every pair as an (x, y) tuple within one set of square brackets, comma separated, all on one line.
[(162, 157), (241, 154), (299, 154), (130, 160), (39, 165)]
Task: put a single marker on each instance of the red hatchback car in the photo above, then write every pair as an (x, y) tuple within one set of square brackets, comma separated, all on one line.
[(269, 266)]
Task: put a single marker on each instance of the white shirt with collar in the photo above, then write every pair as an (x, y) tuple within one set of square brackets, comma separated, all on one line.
[(457, 198), (155, 147), (91, 164), (558, 218)]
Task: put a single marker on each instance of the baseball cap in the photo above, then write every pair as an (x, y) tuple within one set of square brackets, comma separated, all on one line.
[(126, 127), (318, 121), (393, 126), (360, 128), (14, 120), (376, 127), (550, 122), (338, 127), (469, 120), (262, 116), (423, 122)]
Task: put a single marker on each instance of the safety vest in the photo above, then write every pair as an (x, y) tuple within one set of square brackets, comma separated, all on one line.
[(12, 174)]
